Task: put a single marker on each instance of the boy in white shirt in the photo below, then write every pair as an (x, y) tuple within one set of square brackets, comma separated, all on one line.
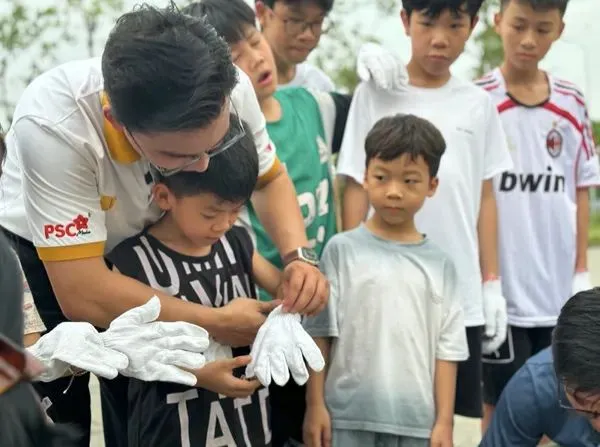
[(543, 202), (393, 329), (461, 218), (293, 29)]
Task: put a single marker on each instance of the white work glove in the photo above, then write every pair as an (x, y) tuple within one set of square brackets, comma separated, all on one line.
[(496, 319), (78, 345), (387, 70), (157, 349), (280, 347), (581, 282)]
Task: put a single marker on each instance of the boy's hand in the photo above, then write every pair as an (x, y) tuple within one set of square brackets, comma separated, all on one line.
[(316, 431), (304, 289), (218, 377), (441, 435), (240, 320)]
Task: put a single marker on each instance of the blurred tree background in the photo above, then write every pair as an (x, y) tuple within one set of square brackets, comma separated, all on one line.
[(31, 37)]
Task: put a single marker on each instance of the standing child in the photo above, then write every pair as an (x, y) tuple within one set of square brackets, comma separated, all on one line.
[(393, 329), (293, 29), (195, 254), (461, 218), (543, 202)]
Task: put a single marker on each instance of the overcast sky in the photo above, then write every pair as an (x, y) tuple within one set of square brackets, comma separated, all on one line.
[(571, 58)]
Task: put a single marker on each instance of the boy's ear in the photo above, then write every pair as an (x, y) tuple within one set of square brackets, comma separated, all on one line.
[(405, 21), (261, 12), (497, 21), (163, 196), (562, 28), (433, 185)]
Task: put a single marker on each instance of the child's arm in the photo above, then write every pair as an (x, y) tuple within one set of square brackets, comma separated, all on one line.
[(266, 275), (487, 229), (583, 224), (316, 431), (445, 390)]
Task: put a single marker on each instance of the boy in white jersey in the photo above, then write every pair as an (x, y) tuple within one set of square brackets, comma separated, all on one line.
[(543, 202), (461, 218), (293, 29), (393, 329)]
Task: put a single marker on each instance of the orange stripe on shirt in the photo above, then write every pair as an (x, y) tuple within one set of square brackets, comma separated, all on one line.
[(71, 252)]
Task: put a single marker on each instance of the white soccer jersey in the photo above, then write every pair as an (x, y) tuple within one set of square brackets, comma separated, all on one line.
[(476, 151), (553, 154), (72, 183)]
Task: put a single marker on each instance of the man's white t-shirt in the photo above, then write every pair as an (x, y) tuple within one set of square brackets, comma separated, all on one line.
[(311, 77), (476, 151), (553, 152), (393, 310), (72, 183)]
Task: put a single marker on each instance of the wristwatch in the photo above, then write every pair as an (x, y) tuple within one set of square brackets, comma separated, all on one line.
[(303, 254)]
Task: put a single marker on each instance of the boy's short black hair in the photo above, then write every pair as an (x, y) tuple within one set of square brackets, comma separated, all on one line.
[(325, 5), (433, 8), (402, 134), (166, 71), (231, 175), (541, 5), (231, 18), (575, 347)]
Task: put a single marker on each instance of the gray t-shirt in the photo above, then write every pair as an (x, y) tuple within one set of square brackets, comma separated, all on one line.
[(392, 312)]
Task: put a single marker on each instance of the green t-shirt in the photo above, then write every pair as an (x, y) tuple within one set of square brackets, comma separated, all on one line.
[(301, 145)]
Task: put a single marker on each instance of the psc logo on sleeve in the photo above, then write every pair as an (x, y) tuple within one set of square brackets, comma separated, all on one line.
[(77, 227)]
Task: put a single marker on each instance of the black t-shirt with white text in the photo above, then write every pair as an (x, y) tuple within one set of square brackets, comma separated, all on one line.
[(166, 414)]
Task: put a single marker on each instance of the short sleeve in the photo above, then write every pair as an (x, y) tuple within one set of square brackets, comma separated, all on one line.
[(61, 196), (588, 166), (497, 157), (325, 324), (245, 101), (517, 420), (352, 158), (452, 343)]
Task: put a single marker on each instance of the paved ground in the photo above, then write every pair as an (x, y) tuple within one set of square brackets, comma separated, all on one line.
[(467, 431)]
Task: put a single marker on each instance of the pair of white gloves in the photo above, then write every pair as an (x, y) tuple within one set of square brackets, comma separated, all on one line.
[(135, 345)]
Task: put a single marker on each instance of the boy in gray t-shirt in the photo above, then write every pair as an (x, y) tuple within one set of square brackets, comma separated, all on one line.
[(393, 329)]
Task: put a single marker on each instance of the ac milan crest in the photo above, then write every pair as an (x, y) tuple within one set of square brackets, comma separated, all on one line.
[(554, 143)]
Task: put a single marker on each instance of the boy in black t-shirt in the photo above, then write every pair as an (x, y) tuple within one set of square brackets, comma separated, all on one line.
[(195, 253)]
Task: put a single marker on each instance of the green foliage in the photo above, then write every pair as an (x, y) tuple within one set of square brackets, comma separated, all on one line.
[(596, 131), (31, 35), (488, 40)]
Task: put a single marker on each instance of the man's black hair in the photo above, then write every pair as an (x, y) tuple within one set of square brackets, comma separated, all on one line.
[(541, 5), (394, 136), (325, 5), (231, 175), (231, 18), (166, 71), (575, 344), (433, 8)]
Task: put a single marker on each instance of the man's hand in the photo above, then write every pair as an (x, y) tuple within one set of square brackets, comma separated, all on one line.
[(305, 289), (218, 377), (240, 320), (316, 431), (441, 435)]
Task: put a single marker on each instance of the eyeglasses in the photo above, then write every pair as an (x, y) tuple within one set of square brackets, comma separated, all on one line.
[(234, 135), (294, 27), (566, 405), (16, 365)]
